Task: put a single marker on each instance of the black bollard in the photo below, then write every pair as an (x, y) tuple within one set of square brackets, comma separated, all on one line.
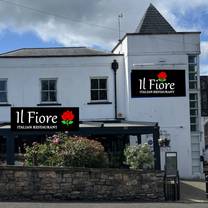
[(206, 180)]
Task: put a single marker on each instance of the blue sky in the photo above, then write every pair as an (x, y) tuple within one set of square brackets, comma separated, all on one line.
[(10, 40), (51, 23), (195, 19)]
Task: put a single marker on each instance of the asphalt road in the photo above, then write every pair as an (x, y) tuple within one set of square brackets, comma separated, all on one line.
[(102, 205)]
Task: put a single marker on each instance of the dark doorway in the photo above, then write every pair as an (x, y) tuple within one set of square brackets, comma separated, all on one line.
[(115, 136), (114, 147), (2, 150)]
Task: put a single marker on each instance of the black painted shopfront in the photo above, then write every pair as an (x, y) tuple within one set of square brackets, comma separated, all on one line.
[(114, 135)]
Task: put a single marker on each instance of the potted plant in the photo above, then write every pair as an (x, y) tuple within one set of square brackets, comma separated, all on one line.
[(139, 157), (164, 142)]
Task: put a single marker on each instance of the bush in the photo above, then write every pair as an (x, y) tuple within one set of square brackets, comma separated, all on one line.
[(139, 157), (61, 150)]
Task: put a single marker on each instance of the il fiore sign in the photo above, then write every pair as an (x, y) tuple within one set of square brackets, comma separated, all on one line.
[(158, 83), (55, 119)]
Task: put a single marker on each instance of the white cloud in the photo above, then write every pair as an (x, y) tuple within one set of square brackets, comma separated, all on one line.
[(204, 50), (83, 22), (204, 69), (79, 22)]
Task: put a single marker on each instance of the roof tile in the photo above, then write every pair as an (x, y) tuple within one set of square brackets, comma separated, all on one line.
[(58, 51), (154, 23)]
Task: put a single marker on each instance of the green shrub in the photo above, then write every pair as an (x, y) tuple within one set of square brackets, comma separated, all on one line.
[(83, 152), (139, 157), (61, 150)]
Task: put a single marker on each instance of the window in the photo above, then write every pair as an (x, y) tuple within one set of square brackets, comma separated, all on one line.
[(193, 94), (193, 112), (192, 85), (192, 76), (3, 91), (193, 120), (48, 90), (99, 89), (192, 59), (193, 127), (193, 104), (192, 68)]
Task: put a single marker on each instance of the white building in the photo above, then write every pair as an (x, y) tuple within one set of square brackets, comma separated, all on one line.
[(83, 77)]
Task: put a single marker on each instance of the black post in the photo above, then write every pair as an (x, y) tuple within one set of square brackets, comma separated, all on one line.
[(206, 181), (156, 136), (115, 66), (139, 139), (10, 149), (115, 88)]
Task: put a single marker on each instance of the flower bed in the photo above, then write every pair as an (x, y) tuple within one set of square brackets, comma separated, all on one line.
[(63, 151)]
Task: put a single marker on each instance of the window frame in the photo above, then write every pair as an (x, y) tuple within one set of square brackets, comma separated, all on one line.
[(195, 95), (195, 59), (56, 90), (6, 80), (107, 91), (194, 105)]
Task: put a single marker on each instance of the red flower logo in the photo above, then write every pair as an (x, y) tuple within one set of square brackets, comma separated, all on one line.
[(162, 76), (67, 118)]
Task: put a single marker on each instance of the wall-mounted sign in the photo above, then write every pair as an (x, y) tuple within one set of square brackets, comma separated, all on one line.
[(171, 166), (158, 83), (171, 160), (50, 119)]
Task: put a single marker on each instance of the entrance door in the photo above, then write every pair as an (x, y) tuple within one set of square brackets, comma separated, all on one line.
[(2, 150)]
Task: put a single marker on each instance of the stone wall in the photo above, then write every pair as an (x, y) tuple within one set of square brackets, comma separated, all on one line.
[(46, 183)]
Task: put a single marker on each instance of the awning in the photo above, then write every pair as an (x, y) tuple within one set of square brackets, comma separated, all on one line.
[(91, 128)]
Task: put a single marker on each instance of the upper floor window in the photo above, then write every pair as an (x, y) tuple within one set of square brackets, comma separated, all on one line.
[(193, 72), (3, 90), (48, 90), (99, 89), (192, 59)]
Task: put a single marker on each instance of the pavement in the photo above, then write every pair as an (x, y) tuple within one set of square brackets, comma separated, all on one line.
[(192, 196), (193, 191)]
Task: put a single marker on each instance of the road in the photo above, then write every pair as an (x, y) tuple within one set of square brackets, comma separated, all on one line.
[(102, 205)]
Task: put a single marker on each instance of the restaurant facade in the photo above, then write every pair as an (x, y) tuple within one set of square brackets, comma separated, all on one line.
[(151, 75)]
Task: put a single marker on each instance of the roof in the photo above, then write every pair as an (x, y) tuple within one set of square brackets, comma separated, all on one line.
[(55, 52), (142, 34), (102, 124), (110, 127), (153, 22)]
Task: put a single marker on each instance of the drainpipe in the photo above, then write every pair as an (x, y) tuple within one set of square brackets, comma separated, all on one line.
[(115, 66)]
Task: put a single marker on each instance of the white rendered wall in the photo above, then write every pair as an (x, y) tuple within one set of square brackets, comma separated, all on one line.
[(73, 83), (172, 113), (73, 74)]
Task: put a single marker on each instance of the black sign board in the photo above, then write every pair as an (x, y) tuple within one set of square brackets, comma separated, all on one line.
[(171, 163), (49, 119), (158, 83)]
